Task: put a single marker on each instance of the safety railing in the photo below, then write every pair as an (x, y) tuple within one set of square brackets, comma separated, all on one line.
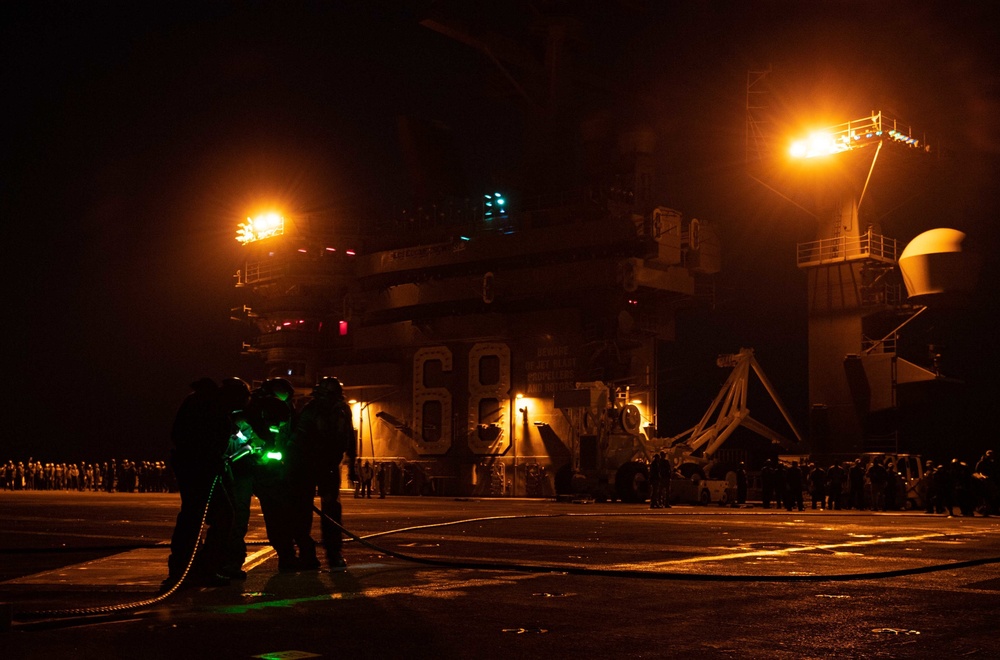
[(319, 270), (884, 345), (288, 339), (259, 271), (867, 246), (856, 134), (883, 293)]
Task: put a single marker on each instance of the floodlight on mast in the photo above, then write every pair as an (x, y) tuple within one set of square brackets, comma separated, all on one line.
[(855, 134), (263, 226)]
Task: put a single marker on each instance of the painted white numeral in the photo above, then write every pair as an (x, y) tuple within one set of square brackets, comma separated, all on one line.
[(431, 438), (489, 432)]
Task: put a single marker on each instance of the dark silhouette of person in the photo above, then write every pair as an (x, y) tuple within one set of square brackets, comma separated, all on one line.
[(793, 487), (666, 476), (856, 483), (201, 434), (781, 486), (655, 497), (767, 483), (817, 485), (741, 484), (987, 465), (878, 478), (836, 475), (323, 436)]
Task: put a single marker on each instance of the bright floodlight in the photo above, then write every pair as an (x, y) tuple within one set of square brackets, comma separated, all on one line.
[(263, 226), (820, 143), (855, 134), (268, 222)]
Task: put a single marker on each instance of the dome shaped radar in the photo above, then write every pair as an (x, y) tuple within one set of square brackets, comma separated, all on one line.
[(937, 266)]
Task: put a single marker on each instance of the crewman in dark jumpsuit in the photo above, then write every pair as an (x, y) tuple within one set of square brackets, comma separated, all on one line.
[(266, 424), (323, 435), (201, 433)]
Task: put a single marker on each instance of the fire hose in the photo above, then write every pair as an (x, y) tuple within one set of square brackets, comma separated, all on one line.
[(90, 612)]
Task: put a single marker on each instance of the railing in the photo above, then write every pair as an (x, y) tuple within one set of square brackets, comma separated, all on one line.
[(851, 130), (846, 248), (260, 271), (885, 345), (287, 339), (888, 343), (322, 270), (856, 134), (883, 293)]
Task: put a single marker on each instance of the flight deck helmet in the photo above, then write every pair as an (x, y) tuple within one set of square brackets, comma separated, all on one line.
[(234, 394), (328, 387), (278, 387)]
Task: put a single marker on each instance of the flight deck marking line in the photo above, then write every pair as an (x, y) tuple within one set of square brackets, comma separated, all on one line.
[(785, 551), (78, 535), (572, 544), (256, 559), (604, 543)]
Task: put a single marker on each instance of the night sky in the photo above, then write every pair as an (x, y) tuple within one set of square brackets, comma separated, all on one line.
[(138, 137)]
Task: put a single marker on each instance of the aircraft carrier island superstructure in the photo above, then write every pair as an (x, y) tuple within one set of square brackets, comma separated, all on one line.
[(513, 353)]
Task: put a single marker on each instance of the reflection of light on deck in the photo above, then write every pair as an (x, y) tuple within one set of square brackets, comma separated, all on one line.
[(435, 587), (781, 552)]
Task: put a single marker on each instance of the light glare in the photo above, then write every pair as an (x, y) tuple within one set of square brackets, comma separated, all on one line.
[(854, 134), (819, 143), (263, 226)]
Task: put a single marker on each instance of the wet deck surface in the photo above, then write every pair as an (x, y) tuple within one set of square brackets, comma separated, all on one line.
[(563, 580)]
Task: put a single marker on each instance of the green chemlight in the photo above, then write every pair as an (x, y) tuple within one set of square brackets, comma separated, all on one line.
[(273, 455), (285, 603)]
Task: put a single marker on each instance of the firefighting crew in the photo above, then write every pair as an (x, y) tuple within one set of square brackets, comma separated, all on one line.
[(266, 425), (201, 433), (232, 444), (240, 450), (323, 435), (300, 535)]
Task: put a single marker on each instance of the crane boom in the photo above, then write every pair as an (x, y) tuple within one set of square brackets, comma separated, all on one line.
[(729, 410)]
